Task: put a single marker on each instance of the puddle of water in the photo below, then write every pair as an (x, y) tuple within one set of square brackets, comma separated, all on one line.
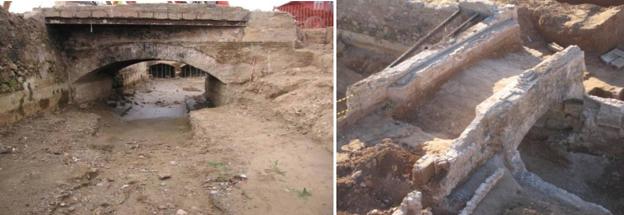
[(159, 98)]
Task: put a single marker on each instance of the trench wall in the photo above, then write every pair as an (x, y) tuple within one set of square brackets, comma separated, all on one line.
[(31, 69), (595, 29), (371, 18), (421, 74)]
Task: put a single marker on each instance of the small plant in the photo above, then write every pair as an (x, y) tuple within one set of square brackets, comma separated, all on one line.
[(223, 171), (276, 169), (217, 165), (304, 194)]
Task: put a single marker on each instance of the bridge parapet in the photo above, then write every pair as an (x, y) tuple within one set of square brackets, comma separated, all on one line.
[(147, 14)]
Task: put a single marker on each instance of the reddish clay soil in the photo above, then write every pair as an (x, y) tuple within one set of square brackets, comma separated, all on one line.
[(376, 177)]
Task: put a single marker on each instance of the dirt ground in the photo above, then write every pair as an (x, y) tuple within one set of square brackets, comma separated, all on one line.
[(262, 153), (376, 177), (594, 178), (92, 161), (451, 108), (593, 25)]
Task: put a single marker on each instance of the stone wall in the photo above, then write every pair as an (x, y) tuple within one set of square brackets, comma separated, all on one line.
[(31, 70), (270, 27), (101, 88), (603, 126), (504, 119), (317, 35), (150, 11), (420, 74), (591, 125), (134, 73), (43, 65), (228, 53)]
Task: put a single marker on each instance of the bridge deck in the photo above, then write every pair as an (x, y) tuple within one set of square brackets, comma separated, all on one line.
[(146, 14)]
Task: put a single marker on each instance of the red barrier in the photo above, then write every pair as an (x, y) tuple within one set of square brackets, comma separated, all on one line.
[(310, 14)]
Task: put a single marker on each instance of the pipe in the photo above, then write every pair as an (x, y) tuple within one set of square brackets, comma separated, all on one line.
[(423, 39), (464, 24)]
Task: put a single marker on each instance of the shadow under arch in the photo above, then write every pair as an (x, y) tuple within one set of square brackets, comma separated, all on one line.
[(162, 70), (113, 58)]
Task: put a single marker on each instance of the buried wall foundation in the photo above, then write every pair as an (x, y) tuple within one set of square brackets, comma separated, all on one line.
[(455, 172)]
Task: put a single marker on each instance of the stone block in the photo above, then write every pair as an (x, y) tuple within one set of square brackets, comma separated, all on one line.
[(161, 15), (189, 15), (609, 116), (174, 15), (573, 107), (99, 13), (209, 15), (68, 13), (146, 14), (51, 12), (618, 63), (612, 55), (124, 12), (423, 171), (83, 13)]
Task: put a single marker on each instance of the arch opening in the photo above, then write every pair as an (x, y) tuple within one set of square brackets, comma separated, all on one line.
[(191, 71), (149, 88), (162, 70)]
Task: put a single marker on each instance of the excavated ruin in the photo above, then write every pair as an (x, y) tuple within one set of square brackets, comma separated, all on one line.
[(496, 119), (104, 110)]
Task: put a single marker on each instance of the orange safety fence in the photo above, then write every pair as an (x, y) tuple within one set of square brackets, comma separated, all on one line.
[(310, 14)]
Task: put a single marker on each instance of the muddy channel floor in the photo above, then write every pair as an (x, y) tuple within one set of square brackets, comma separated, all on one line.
[(91, 161)]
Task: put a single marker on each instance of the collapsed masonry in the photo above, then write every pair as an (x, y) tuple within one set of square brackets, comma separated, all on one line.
[(451, 129)]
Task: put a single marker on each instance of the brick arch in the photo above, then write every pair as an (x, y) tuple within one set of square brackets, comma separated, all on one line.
[(113, 58)]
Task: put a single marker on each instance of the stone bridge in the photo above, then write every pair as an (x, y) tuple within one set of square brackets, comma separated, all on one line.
[(229, 43)]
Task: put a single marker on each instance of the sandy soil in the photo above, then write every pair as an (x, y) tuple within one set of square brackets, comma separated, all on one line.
[(287, 171), (248, 159), (596, 29)]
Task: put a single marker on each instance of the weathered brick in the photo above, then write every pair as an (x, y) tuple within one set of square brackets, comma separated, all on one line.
[(161, 15), (68, 13), (174, 15), (189, 15), (146, 14), (609, 116), (99, 13), (83, 13), (51, 12)]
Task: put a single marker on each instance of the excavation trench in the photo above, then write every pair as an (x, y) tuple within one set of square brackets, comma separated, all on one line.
[(452, 107), (559, 150), (361, 52), (427, 128), (457, 114), (377, 177)]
